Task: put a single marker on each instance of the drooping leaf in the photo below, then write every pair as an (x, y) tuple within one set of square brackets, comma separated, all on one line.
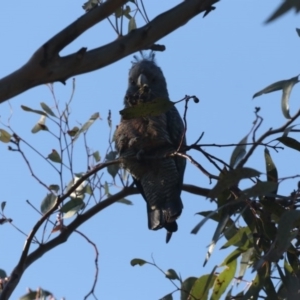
[(223, 280), (202, 286), (255, 287), (220, 228), (131, 24), (138, 261), (54, 156), (112, 169), (72, 207), (39, 112), (171, 274), (147, 109), (246, 260), (239, 152), (40, 125), (97, 156), (289, 142), (87, 125), (106, 188), (80, 190), (231, 178), (286, 86), (216, 216), (3, 204), (186, 287), (125, 201), (261, 188), (4, 136), (47, 109), (272, 174), (40, 294), (239, 240), (90, 4), (47, 203), (73, 131), (87, 190), (54, 187), (284, 8), (167, 297)]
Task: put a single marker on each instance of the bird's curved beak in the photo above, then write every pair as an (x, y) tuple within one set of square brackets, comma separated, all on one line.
[(142, 79)]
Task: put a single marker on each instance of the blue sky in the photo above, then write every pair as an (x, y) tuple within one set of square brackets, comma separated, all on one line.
[(223, 59)]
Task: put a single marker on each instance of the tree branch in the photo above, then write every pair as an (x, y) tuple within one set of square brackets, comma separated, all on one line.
[(27, 260), (47, 66)]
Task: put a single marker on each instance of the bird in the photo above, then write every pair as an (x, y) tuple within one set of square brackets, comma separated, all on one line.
[(143, 144)]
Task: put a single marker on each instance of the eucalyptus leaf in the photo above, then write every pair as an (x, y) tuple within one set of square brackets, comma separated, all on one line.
[(4, 136), (48, 202), (47, 109), (239, 152), (131, 24), (138, 261), (39, 112)]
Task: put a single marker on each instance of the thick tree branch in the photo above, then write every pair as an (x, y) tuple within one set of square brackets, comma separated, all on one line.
[(27, 260), (47, 66)]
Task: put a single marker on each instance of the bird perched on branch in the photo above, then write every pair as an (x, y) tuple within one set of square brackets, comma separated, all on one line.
[(144, 143)]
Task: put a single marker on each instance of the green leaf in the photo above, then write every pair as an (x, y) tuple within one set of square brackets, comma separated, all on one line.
[(47, 109), (186, 287), (220, 228), (40, 294), (106, 188), (87, 125), (171, 274), (97, 156), (153, 108), (216, 216), (224, 279), (261, 188), (72, 207), (289, 142), (286, 6), (239, 152), (272, 174), (90, 4), (54, 187), (138, 261), (246, 261), (54, 156), (286, 86), (3, 203), (125, 201), (202, 286), (167, 297), (73, 131), (4, 136), (39, 112), (112, 169), (47, 203), (231, 178), (87, 190), (2, 274), (131, 24), (240, 239), (40, 125)]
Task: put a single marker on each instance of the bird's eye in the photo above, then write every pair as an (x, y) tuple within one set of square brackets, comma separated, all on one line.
[(132, 82)]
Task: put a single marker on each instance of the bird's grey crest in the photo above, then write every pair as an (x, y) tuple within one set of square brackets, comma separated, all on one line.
[(144, 143)]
